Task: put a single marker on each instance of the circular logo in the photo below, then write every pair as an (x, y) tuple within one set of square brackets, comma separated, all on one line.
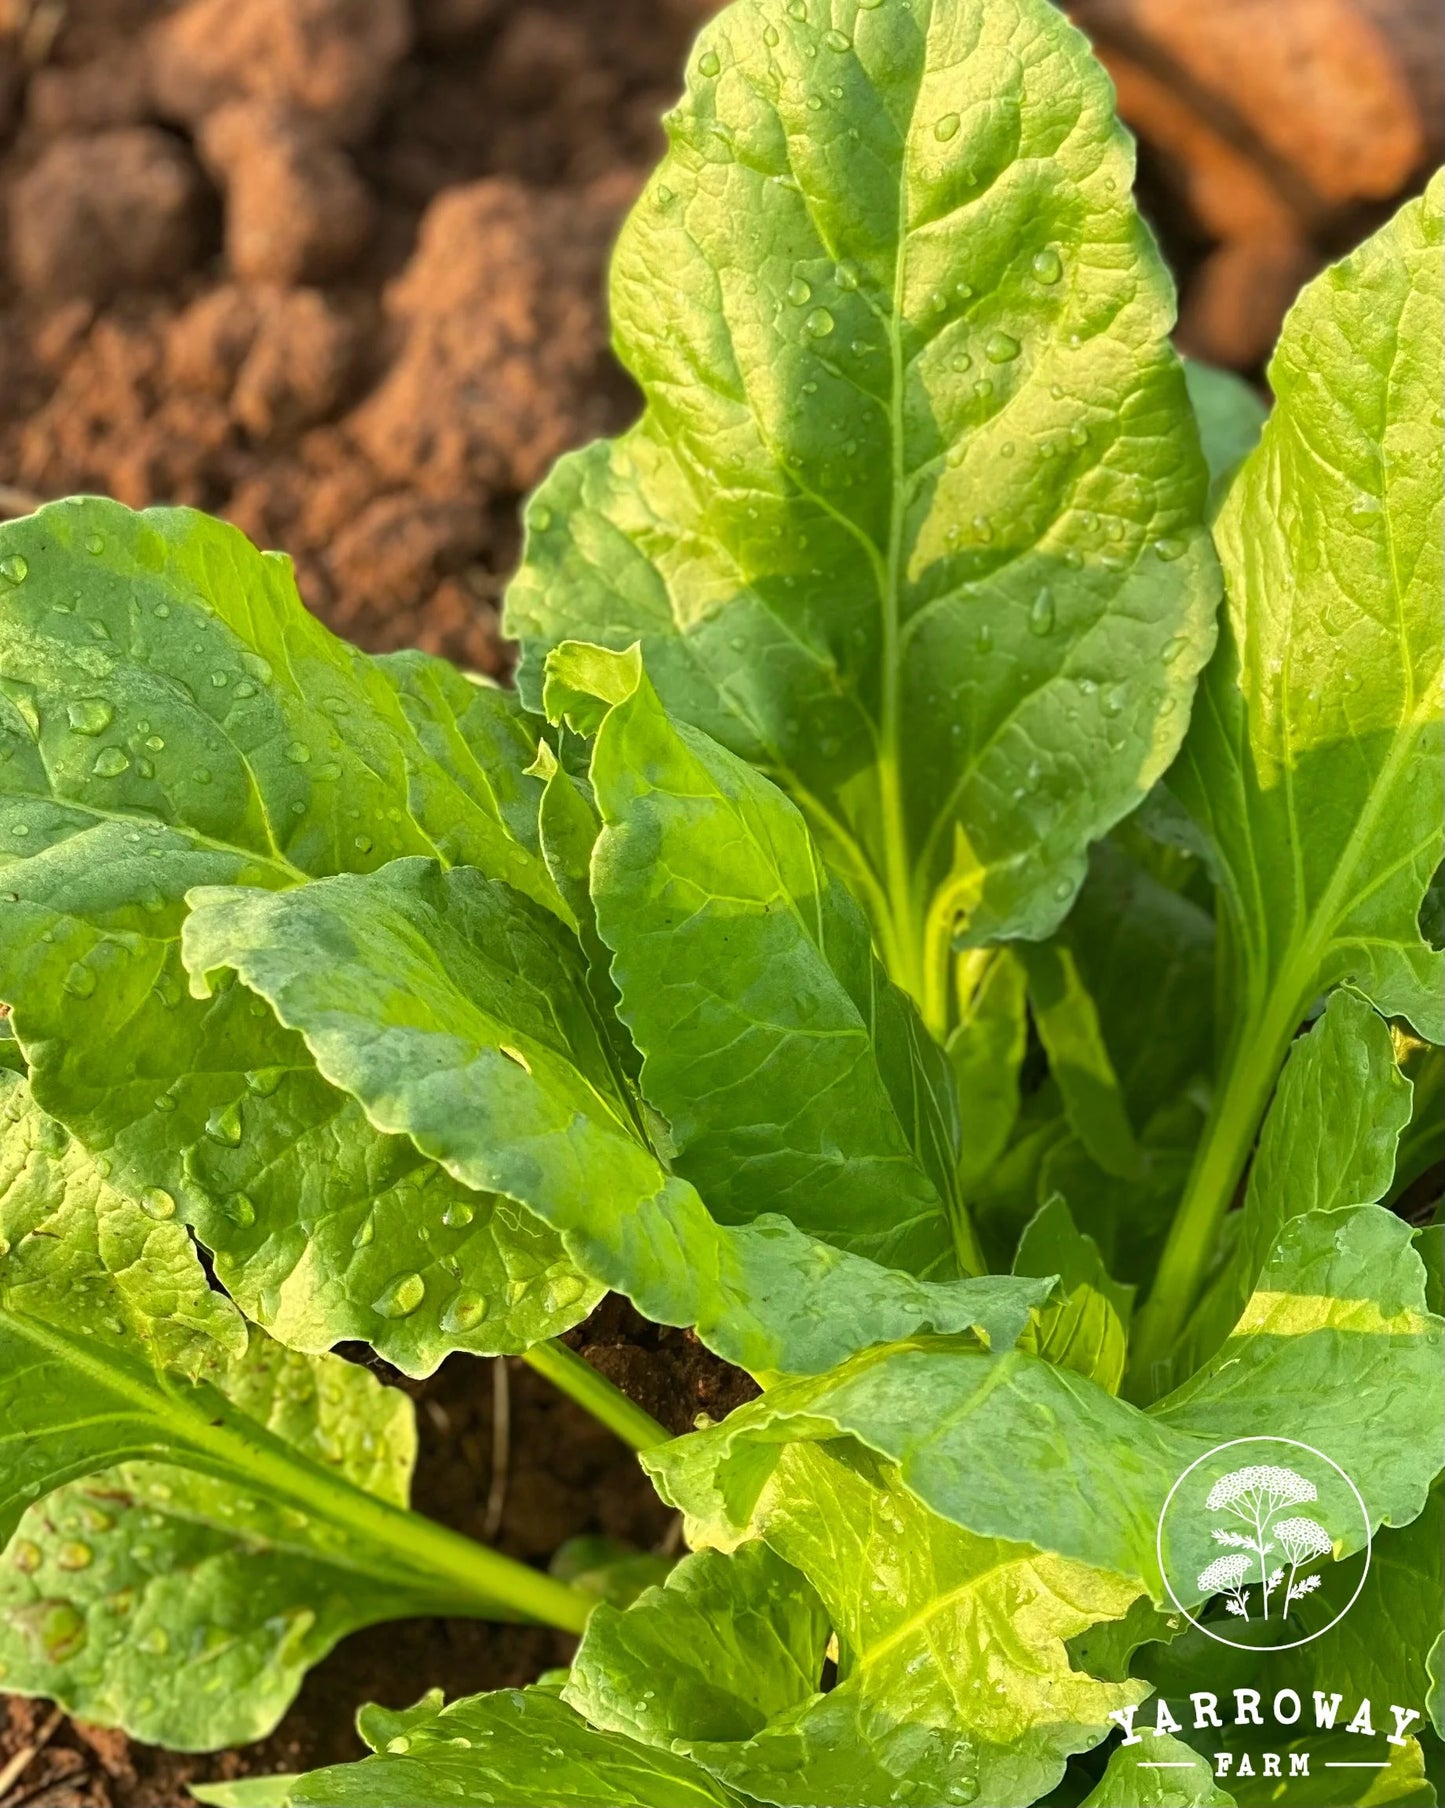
[(1246, 1537)]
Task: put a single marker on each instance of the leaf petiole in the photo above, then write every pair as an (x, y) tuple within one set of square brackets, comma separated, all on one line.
[(572, 1375)]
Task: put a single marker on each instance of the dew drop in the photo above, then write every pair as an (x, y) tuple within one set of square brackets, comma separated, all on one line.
[(26, 1555), (165, 1102), (365, 1232), (1078, 435), (401, 1296), (239, 1209), (74, 1555), (79, 981), (1002, 348), (162, 611), (202, 775), (962, 362), (835, 40), (156, 1202), (298, 753), (16, 568), (848, 277), (1048, 266), (1112, 702), (708, 64), (110, 762), (1169, 550), (363, 844), (263, 1081), (798, 292), (983, 389), (797, 9), (869, 6), (566, 1290), (95, 544), (982, 529), (457, 1215), (542, 518), (464, 1311), (1042, 613), (89, 716), (770, 37), (1353, 681), (820, 323), (983, 640), (946, 127), (224, 1124), (401, 1744)]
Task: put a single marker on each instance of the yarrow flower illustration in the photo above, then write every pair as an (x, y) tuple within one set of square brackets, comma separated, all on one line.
[(1226, 1576), (1256, 1494), (1269, 1480)]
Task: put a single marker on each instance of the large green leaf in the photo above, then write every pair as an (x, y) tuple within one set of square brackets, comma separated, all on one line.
[(724, 1645), (793, 1075), (1161, 1773), (171, 716), (1329, 1141), (521, 1747), (1335, 1349), (953, 1684), (912, 519), (243, 1507), (1312, 777), (455, 1012)]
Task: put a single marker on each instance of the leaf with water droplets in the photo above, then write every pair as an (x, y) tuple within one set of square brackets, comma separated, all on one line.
[(184, 1600), (818, 613), (316, 759), (517, 1748), (432, 982)]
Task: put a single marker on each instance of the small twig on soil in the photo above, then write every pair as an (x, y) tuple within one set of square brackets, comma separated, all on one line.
[(501, 1447), (25, 1757), (14, 501)]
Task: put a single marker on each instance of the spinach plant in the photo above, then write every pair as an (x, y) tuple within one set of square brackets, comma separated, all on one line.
[(900, 913)]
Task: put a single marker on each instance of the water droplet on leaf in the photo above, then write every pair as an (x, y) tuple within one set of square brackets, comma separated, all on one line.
[(155, 1201), (16, 568), (708, 64), (946, 127), (110, 762), (401, 1296), (224, 1124), (1048, 266), (1002, 348), (89, 716), (1042, 613)]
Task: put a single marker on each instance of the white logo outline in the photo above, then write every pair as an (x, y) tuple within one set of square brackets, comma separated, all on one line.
[(1231, 1444)]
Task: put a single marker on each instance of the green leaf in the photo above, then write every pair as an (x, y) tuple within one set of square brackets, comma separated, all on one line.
[(1231, 417), (986, 1052), (1012, 1447), (1069, 1029), (726, 1643), (523, 1747), (171, 716), (794, 1077), (243, 1503), (247, 1792), (953, 1680), (917, 494), (1329, 1141), (1134, 1778), (455, 1012), (1085, 1330), (1312, 777)]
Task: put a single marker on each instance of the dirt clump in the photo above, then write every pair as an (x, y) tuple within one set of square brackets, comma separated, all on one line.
[(296, 210), (121, 209)]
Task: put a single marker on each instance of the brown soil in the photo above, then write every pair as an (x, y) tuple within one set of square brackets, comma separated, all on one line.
[(334, 268)]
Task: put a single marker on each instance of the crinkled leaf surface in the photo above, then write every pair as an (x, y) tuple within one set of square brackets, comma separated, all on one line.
[(1335, 1349), (185, 1603), (953, 1681), (522, 1747), (1134, 1780), (724, 1645), (917, 495), (793, 1075), (453, 1010), (171, 716), (1329, 1141)]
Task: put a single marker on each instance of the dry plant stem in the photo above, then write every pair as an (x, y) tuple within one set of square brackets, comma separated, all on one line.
[(501, 1448), (21, 1761)]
